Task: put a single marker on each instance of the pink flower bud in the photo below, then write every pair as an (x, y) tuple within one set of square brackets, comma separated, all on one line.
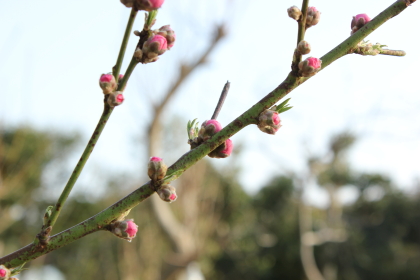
[(107, 83), (167, 193), (304, 47), (294, 12), (146, 5), (167, 32), (120, 77), (309, 66), (358, 22), (153, 47), (4, 272), (223, 151), (156, 169), (312, 17), (126, 229), (116, 98), (208, 129), (269, 122)]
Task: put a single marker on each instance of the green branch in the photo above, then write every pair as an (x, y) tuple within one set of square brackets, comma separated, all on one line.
[(99, 221)]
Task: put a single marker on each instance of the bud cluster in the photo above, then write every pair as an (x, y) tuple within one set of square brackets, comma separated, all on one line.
[(358, 22), (309, 66), (146, 5), (109, 86), (126, 229), (161, 40)]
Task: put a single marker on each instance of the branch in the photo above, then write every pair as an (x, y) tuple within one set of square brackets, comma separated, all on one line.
[(99, 221)]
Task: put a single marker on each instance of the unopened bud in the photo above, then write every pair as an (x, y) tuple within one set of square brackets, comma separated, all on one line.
[(294, 12), (304, 47), (126, 229), (269, 122), (153, 47), (167, 32), (309, 66), (208, 129), (116, 98), (107, 83), (167, 193), (146, 5), (312, 17), (4, 272), (156, 169), (358, 22), (223, 151)]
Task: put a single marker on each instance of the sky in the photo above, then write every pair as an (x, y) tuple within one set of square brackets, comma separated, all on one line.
[(52, 54)]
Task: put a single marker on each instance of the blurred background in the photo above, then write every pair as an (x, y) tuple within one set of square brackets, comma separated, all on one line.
[(334, 195)]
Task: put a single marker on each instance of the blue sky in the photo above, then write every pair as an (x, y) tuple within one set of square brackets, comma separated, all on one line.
[(52, 54)]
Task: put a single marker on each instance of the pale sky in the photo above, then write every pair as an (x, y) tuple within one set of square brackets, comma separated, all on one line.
[(52, 54)]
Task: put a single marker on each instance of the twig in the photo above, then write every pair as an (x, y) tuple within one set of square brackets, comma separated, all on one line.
[(222, 98), (297, 56)]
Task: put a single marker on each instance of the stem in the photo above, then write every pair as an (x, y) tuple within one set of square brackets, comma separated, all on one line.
[(99, 221), (128, 72), (116, 69), (222, 98), (393, 52), (79, 167), (297, 56)]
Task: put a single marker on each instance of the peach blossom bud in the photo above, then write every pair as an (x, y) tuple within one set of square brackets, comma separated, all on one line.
[(4, 272), (167, 193), (312, 17), (294, 12), (309, 66), (269, 122), (208, 129), (107, 83), (304, 47), (156, 169), (223, 151), (120, 77), (146, 5), (153, 47), (116, 98), (167, 32), (126, 229), (358, 22)]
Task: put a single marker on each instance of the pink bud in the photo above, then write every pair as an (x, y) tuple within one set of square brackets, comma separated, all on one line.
[(120, 77), (276, 118), (116, 98), (304, 47), (269, 122), (208, 129), (223, 151), (146, 5), (156, 169), (309, 66), (167, 193), (294, 12), (312, 17), (107, 83), (131, 228), (358, 22), (153, 47), (4, 272)]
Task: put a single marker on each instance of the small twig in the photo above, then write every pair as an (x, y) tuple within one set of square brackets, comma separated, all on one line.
[(222, 98), (127, 74), (297, 56), (392, 52), (116, 69)]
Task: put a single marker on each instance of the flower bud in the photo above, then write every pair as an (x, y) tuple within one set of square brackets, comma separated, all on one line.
[(208, 129), (116, 98), (156, 169), (167, 193), (304, 47), (4, 272), (107, 83), (120, 77), (153, 47), (146, 5), (312, 17), (269, 122), (223, 151), (126, 229), (294, 12), (167, 32), (358, 22), (309, 66)]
